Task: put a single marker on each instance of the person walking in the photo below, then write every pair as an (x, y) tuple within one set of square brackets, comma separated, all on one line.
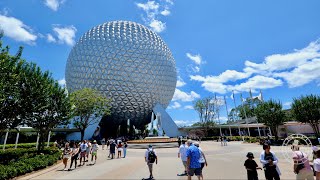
[(108, 143), (301, 166), (119, 147), (103, 142), (316, 165), (94, 152), (202, 160), (251, 167), (66, 155), (74, 156), (125, 146), (88, 150), (183, 155), (150, 157), (269, 162), (225, 141), (193, 164), (112, 149), (83, 152)]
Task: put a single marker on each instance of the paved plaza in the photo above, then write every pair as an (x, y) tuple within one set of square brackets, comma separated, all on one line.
[(223, 163)]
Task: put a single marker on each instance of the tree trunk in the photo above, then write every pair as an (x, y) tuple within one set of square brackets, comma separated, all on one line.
[(82, 134), (315, 128), (275, 132)]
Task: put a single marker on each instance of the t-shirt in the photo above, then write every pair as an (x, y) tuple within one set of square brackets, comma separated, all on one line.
[(83, 147), (183, 152), (316, 165), (251, 164), (95, 147), (194, 154), (201, 159), (302, 157)]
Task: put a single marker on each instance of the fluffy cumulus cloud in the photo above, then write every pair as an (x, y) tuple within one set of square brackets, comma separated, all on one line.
[(17, 30), (54, 4), (63, 35), (175, 105), (62, 82), (180, 82), (153, 11), (185, 97), (296, 68)]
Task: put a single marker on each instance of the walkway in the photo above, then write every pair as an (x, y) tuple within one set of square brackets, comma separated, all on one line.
[(223, 163)]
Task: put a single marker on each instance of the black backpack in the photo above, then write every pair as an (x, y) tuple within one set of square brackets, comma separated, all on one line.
[(151, 156)]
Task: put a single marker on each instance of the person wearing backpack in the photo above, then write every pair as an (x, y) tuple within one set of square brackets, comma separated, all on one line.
[(269, 162), (150, 157), (301, 165)]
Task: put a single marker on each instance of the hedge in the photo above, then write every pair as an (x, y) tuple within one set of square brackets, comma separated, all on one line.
[(26, 165), (13, 155), (23, 145)]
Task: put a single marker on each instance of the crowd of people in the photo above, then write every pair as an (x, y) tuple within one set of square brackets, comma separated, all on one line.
[(83, 150)]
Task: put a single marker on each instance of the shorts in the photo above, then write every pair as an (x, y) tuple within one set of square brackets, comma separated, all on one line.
[(184, 163), (66, 156), (119, 149), (202, 165), (94, 153), (83, 154), (150, 166), (196, 171)]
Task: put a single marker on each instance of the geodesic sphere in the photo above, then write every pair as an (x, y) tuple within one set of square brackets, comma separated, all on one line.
[(128, 63)]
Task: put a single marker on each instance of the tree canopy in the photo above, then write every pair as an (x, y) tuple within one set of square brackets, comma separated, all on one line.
[(306, 109), (88, 104)]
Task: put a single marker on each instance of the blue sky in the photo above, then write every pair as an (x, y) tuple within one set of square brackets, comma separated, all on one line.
[(219, 46)]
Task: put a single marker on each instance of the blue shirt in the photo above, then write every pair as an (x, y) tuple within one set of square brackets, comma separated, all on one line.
[(194, 154)]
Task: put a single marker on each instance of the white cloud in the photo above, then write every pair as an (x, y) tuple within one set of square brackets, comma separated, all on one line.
[(304, 74), (195, 58), (175, 105), (297, 68), (180, 82), (50, 38), (165, 12), (54, 4), (17, 30), (188, 107), (157, 26), (257, 82), (287, 104), (153, 10), (64, 35), (62, 82), (182, 123), (185, 97)]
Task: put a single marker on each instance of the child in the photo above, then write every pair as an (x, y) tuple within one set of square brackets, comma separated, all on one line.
[(251, 167), (94, 151)]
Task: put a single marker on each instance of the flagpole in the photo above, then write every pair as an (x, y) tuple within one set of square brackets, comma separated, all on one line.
[(225, 102), (235, 107), (256, 118), (215, 99), (245, 115)]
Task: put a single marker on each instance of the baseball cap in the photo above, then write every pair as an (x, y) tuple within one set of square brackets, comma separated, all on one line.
[(250, 155)]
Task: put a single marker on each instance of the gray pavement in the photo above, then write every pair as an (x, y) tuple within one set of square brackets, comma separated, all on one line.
[(223, 163)]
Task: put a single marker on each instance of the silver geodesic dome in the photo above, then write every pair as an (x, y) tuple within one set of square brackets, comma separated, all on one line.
[(128, 63)]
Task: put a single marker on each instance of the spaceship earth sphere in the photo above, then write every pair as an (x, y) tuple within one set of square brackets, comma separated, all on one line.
[(129, 64)]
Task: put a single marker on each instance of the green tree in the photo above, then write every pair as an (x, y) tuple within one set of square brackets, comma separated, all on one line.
[(45, 103), (10, 98), (207, 109), (306, 109), (271, 114), (88, 104)]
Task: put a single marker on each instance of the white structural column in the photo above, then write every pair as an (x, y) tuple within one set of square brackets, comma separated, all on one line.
[(270, 131), (17, 138), (259, 131), (49, 138), (5, 140), (37, 144)]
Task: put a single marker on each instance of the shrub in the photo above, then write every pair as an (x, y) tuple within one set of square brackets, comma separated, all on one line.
[(23, 145), (23, 166)]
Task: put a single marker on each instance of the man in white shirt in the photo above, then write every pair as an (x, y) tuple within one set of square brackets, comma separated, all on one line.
[(94, 151), (150, 157), (83, 152), (182, 154)]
